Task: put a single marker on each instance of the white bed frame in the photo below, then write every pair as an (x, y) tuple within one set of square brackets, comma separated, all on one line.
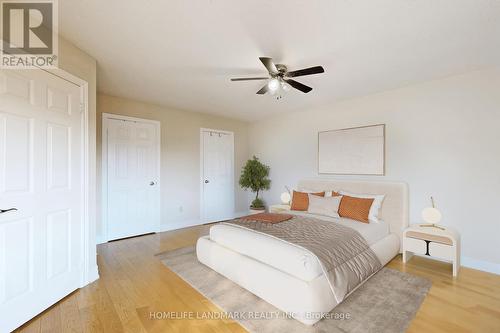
[(308, 301)]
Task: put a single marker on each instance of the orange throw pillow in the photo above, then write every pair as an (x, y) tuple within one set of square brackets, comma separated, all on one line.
[(355, 208), (300, 200)]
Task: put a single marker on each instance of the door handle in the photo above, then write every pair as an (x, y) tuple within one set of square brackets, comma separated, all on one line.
[(151, 183), (7, 210), (207, 181)]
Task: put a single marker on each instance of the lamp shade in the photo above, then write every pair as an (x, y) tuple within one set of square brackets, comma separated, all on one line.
[(431, 215), (285, 198)]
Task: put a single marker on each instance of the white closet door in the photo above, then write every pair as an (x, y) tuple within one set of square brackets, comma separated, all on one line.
[(218, 176), (133, 174), (41, 258)]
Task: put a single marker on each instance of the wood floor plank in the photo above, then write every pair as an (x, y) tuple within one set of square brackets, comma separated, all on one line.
[(90, 320), (33, 326), (134, 284), (51, 321), (70, 315)]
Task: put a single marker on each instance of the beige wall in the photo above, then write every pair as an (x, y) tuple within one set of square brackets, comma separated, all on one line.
[(80, 64), (180, 156), (442, 139)]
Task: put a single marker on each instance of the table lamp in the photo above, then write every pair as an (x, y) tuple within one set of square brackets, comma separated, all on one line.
[(432, 216), (286, 197)]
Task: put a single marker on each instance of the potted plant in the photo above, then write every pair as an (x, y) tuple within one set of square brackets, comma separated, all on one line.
[(254, 176)]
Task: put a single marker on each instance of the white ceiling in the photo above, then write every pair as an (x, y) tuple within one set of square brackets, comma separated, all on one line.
[(182, 53)]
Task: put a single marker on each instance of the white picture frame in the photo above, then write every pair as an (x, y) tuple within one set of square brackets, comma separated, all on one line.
[(352, 151)]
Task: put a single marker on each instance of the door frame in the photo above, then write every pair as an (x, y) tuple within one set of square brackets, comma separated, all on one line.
[(104, 166), (203, 219), (90, 271)]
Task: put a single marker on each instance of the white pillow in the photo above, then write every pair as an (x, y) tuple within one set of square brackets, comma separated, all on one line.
[(305, 190), (327, 193), (326, 206), (375, 207)]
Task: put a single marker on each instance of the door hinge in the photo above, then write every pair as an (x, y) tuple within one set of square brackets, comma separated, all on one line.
[(82, 107)]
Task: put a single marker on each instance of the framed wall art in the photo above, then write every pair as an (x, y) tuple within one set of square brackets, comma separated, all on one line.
[(352, 151)]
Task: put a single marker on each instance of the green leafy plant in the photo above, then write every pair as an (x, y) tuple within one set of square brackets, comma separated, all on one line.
[(255, 176), (257, 203)]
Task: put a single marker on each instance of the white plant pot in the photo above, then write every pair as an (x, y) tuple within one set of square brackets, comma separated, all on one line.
[(257, 211)]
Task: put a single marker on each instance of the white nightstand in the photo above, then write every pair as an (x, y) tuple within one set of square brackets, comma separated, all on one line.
[(432, 242), (279, 208)]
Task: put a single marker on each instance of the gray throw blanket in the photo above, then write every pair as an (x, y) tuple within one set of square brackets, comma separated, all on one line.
[(344, 254)]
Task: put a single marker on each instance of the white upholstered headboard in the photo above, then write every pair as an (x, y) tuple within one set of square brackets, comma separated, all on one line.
[(394, 207)]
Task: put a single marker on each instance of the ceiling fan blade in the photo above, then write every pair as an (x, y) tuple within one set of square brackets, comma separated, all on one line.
[(249, 78), (263, 90), (299, 86), (306, 71), (268, 62)]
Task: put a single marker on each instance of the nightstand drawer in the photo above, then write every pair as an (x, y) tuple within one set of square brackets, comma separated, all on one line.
[(441, 251), (435, 238), (416, 246)]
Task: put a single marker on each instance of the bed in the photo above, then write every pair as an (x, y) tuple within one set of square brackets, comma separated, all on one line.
[(289, 277)]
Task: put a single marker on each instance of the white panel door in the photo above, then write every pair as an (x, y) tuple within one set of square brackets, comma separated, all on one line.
[(132, 178), (41, 257), (218, 176)]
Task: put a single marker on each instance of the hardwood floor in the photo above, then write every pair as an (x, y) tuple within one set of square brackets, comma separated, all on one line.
[(133, 283)]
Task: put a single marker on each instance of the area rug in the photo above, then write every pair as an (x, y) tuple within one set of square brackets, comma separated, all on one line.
[(387, 302)]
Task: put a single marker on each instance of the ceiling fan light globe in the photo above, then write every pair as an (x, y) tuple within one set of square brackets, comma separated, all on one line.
[(273, 85)]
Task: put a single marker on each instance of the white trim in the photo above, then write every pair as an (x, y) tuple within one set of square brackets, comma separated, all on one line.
[(481, 265), (215, 131), (240, 214), (134, 119), (104, 237), (90, 272), (92, 275), (202, 176), (181, 224)]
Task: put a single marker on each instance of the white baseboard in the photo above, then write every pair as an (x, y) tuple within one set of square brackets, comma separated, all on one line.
[(485, 266), (240, 214), (100, 239), (179, 225), (480, 265), (191, 223), (93, 274), (465, 261)]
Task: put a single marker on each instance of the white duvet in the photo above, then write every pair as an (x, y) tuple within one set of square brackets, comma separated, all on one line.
[(286, 257)]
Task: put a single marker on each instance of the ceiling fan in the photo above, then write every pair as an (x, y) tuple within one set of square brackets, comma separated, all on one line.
[(279, 77)]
